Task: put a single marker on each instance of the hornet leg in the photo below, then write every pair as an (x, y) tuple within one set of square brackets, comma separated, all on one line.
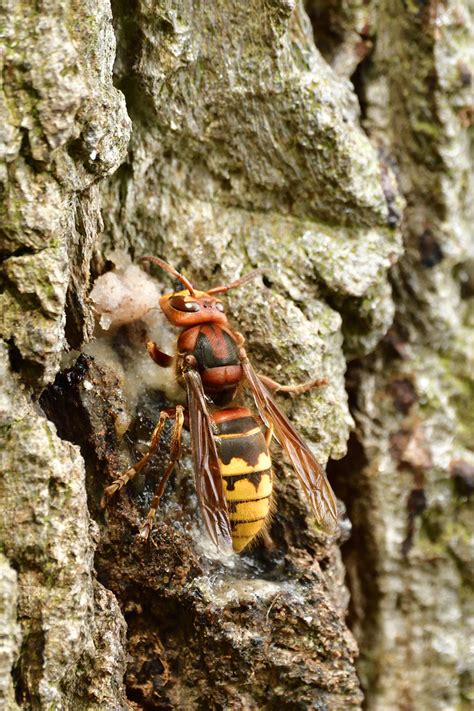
[(133, 471), (175, 453), (162, 359), (297, 389)]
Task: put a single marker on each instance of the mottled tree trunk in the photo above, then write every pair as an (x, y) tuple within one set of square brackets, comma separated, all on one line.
[(329, 144)]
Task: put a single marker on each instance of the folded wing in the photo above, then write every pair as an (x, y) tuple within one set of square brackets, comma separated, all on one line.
[(207, 473), (312, 477)]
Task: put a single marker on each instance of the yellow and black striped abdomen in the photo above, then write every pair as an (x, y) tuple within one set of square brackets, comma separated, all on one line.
[(246, 470)]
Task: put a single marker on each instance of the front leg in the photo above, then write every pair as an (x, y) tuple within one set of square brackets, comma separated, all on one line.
[(160, 358)]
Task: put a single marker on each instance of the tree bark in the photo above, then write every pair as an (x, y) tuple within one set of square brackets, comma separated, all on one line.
[(222, 137)]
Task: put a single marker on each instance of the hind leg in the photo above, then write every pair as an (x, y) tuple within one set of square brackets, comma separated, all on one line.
[(175, 453), (133, 471)]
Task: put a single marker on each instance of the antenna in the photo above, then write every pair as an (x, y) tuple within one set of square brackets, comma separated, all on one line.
[(168, 268), (237, 282)]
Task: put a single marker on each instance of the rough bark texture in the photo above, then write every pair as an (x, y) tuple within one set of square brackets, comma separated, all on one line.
[(410, 559), (224, 136)]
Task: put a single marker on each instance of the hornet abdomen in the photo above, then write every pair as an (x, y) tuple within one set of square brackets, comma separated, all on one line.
[(246, 470)]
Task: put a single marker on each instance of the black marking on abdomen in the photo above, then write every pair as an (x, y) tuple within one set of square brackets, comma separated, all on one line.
[(248, 447), (237, 425), (232, 505), (235, 522), (253, 477)]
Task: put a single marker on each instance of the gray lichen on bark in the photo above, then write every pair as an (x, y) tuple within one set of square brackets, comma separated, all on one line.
[(246, 150), (10, 636), (65, 127), (413, 397)]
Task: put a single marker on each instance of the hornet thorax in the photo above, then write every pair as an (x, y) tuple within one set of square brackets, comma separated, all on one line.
[(217, 360)]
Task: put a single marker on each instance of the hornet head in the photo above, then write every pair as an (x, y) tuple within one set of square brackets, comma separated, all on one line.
[(190, 307)]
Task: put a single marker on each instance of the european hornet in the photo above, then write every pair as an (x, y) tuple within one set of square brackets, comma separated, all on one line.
[(230, 444)]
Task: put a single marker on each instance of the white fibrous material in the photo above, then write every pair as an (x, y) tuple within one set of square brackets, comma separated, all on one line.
[(124, 295), (126, 302)]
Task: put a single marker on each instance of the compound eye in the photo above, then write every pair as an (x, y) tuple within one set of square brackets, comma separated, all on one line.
[(179, 303), (220, 307)]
